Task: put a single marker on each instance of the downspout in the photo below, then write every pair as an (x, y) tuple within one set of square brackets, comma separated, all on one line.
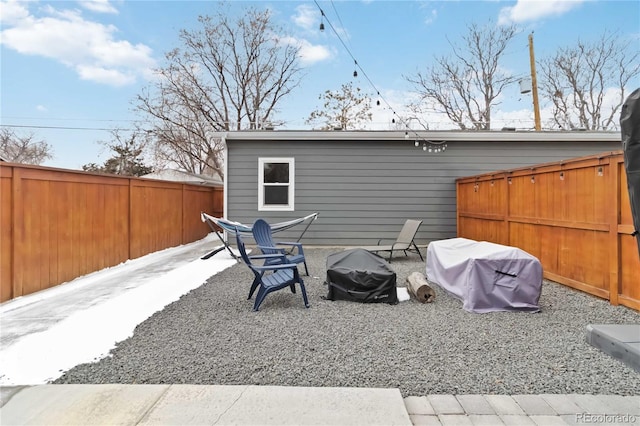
[(225, 179)]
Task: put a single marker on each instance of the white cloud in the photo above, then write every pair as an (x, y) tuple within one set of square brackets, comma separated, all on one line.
[(393, 107), (307, 17), (88, 47), (98, 74), (532, 10), (41, 108), (12, 12), (100, 6), (430, 19), (520, 119), (309, 53)]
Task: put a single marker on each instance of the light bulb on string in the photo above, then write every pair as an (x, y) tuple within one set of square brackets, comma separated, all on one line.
[(416, 143)]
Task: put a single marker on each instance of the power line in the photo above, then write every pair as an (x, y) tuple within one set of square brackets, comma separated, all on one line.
[(109, 120), (21, 126)]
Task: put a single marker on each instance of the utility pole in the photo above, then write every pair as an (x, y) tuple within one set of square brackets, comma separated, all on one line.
[(534, 85)]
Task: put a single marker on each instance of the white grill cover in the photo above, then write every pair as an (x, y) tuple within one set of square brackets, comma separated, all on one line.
[(487, 277)]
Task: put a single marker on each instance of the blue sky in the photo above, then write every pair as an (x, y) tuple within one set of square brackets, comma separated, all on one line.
[(80, 64)]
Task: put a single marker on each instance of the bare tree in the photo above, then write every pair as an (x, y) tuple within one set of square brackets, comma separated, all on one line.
[(586, 83), (23, 149), (466, 84), (128, 150), (347, 108), (228, 75)]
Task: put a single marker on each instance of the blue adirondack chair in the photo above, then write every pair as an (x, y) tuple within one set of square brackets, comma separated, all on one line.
[(262, 234), (271, 277)]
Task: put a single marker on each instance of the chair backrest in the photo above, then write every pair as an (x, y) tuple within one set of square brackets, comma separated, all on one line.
[(242, 250), (262, 234), (409, 231)]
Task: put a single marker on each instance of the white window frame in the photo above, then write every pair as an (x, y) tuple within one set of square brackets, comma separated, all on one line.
[(271, 207)]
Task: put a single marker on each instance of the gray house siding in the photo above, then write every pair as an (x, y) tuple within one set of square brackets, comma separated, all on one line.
[(364, 190)]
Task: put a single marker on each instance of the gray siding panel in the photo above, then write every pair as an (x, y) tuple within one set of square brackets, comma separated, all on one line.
[(365, 190)]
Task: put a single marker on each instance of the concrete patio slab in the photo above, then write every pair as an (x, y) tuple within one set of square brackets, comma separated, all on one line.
[(7, 392), (621, 341), (109, 404), (112, 404), (270, 405)]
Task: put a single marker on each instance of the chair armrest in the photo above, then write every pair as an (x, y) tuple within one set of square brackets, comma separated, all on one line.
[(268, 256), (278, 249), (287, 243), (271, 258), (393, 246), (276, 267), (293, 245)]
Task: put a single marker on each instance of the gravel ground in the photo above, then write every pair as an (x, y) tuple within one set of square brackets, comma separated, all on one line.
[(212, 336)]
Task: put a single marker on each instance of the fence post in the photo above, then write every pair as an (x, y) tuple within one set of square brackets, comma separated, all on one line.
[(507, 207), (183, 237), (130, 218), (614, 236), (17, 278), (7, 242)]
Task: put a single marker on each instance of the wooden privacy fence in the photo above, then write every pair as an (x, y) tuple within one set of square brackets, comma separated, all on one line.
[(60, 224), (574, 216)]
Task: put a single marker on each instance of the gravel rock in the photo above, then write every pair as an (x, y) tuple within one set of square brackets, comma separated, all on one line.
[(212, 336)]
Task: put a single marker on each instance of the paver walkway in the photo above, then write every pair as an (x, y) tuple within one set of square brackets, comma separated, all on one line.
[(542, 410)]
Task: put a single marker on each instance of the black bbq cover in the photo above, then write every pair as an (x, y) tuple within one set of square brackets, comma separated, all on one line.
[(360, 276), (630, 124)]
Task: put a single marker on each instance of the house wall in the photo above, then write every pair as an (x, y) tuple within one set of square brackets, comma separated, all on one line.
[(364, 190)]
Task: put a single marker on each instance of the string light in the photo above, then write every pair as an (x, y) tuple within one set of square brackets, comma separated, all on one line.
[(429, 146)]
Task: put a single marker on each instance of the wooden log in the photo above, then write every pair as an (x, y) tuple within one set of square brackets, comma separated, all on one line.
[(419, 288)]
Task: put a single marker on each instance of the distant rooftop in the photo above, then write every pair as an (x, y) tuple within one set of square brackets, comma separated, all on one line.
[(183, 176)]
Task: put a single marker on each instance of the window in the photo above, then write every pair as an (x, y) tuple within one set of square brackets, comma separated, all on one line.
[(275, 184)]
